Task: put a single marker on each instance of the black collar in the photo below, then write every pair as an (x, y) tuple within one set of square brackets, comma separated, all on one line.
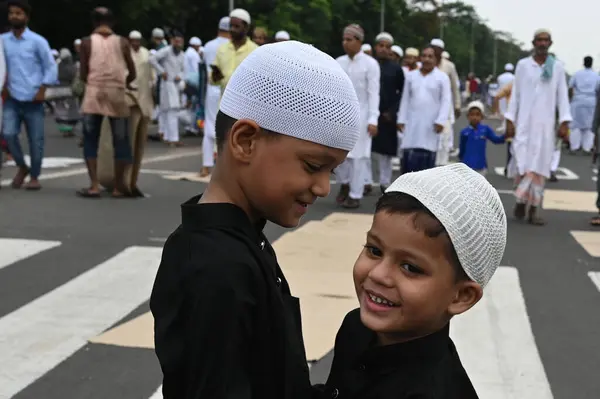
[(195, 216)]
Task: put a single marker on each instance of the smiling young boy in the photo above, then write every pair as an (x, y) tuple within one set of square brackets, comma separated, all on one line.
[(226, 324), (436, 240)]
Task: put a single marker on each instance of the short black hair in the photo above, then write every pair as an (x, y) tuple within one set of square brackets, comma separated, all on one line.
[(223, 125), (22, 4), (588, 62), (424, 220), (102, 16)]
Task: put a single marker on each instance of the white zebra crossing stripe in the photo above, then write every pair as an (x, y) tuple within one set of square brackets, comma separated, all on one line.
[(496, 344), (38, 336), (595, 277), (13, 250)]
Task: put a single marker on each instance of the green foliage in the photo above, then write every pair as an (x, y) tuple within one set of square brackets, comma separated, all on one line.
[(320, 22)]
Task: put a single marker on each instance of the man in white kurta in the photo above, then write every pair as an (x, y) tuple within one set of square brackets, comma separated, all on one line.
[(583, 88), (446, 140), (169, 64), (213, 94), (364, 73), (426, 104), (539, 89), (503, 80), (191, 65)]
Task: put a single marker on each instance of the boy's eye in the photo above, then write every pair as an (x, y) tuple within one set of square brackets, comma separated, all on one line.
[(411, 269), (373, 251), (312, 167)]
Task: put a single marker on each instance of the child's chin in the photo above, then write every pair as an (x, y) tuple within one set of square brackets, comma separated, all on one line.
[(374, 322)]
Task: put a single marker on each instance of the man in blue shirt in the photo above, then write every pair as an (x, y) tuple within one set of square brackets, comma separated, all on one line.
[(30, 69)]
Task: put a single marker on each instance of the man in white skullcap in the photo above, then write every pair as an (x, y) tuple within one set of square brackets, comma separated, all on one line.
[(232, 53), (446, 142), (213, 94), (385, 143), (436, 240), (397, 53), (367, 49), (159, 42), (280, 134), (583, 88), (503, 80), (411, 58), (158, 38), (282, 36), (77, 47), (540, 89), (364, 73), (169, 63), (192, 60)]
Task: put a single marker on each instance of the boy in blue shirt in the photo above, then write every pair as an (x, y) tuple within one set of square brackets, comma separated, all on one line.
[(473, 139)]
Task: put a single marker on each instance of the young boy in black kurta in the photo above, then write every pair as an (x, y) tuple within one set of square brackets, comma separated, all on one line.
[(226, 324), (436, 239)]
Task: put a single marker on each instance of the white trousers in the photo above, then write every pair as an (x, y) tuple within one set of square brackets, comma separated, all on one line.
[(170, 124), (581, 138), (369, 174), (385, 169), (353, 172), (555, 161), (446, 140), (211, 108), (161, 121)]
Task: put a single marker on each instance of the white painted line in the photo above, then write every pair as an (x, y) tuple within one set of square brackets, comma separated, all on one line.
[(158, 394), (40, 335), (566, 174), (179, 154), (13, 250), (161, 172), (505, 192), (52, 162), (157, 239), (595, 277), (496, 344)]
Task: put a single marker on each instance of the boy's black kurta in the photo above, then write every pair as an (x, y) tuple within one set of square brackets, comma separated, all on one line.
[(425, 368), (390, 94), (226, 325)]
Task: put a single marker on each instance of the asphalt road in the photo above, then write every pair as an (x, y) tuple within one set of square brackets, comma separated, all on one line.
[(75, 278)]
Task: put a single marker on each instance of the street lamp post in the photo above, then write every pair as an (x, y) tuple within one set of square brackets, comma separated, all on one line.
[(381, 16), (231, 5), (495, 54), (442, 17), (472, 52)]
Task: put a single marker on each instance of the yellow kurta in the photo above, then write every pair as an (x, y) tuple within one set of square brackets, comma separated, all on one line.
[(229, 58)]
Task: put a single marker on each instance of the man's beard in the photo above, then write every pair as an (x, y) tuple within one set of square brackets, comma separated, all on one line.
[(17, 24), (237, 36)]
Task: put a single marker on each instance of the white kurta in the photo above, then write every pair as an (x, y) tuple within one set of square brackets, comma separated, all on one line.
[(532, 109), (192, 61), (364, 73), (503, 80), (585, 85), (426, 101), (165, 60)]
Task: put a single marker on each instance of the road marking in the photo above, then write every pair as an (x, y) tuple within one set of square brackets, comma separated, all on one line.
[(595, 277), (589, 240), (13, 250), (179, 154), (51, 162), (561, 173), (570, 201), (496, 344), (40, 335)]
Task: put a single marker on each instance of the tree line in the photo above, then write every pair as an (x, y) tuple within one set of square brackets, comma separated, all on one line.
[(473, 45)]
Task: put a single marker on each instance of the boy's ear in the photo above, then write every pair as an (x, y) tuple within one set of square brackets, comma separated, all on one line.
[(468, 293), (242, 139)]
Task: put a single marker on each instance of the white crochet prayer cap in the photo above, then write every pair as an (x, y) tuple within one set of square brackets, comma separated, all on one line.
[(366, 47), (509, 67), (158, 33), (224, 24), (470, 210), (445, 55), (282, 35), (195, 41), (77, 42), (242, 14), (412, 52), (294, 89), (398, 50), (540, 31), (384, 36), (135, 35), (437, 43), (476, 104)]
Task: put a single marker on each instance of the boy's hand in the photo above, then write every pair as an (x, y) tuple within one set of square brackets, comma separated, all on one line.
[(438, 128), (563, 130), (400, 127), (372, 130), (510, 129)]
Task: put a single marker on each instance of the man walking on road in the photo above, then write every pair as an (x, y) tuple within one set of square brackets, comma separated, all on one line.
[(540, 88), (583, 88), (30, 69), (108, 69)]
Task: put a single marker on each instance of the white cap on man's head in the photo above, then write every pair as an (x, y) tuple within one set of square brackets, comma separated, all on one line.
[(413, 52), (224, 24), (366, 47), (476, 104), (437, 43), (384, 37), (77, 42), (135, 35), (282, 35), (398, 50), (509, 67), (158, 33), (470, 210), (195, 41), (296, 90), (242, 14)]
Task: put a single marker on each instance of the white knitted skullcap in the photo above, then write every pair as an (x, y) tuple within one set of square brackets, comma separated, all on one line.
[(476, 104), (195, 41), (470, 210), (540, 31), (384, 36), (398, 50), (412, 52), (242, 14), (437, 43), (77, 42), (135, 35), (158, 33), (224, 23), (366, 47), (509, 67), (282, 35), (294, 89), (445, 55)]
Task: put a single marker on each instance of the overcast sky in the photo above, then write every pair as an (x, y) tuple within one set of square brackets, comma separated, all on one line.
[(573, 25)]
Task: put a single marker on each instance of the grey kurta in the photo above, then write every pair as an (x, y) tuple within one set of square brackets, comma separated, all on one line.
[(165, 60)]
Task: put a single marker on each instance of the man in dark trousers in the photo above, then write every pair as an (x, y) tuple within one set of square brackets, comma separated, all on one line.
[(385, 144)]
